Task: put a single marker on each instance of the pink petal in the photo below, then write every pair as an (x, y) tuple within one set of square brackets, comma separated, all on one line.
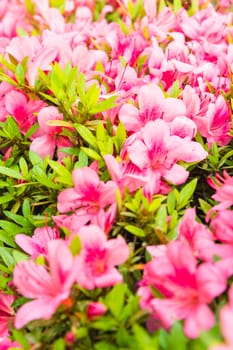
[(118, 251), (130, 117), (44, 146), (37, 309), (200, 319)]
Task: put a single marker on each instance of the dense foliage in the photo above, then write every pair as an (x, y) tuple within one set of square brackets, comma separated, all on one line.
[(116, 174)]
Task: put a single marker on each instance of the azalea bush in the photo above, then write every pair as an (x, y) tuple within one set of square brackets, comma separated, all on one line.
[(116, 174)]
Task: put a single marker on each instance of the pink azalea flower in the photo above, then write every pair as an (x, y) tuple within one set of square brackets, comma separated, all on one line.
[(226, 316), (187, 288), (124, 174), (89, 197), (222, 226), (98, 258), (201, 239), (48, 138), (6, 313), (150, 101), (7, 344), (38, 55), (22, 109), (154, 147), (224, 192), (48, 288), (38, 243)]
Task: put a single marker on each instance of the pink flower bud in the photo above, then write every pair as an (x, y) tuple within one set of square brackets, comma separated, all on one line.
[(95, 310)]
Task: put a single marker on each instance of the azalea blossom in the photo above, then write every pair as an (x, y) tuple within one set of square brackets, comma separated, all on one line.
[(47, 288), (187, 288), (38, 243), (6, 313), (154, 147), (98, 258), (90, 198)]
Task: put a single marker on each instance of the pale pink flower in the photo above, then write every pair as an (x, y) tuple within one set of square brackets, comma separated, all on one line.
[(98, 258), (154, 147), (90, 197), (39, 56), (48, 288), (124, 174), (47, 137), (6, 313), (150, 101), (38, 243)]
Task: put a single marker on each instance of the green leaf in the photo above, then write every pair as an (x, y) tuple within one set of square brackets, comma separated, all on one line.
[(59, 344), (91, 153), (175, 89), (19, 256), (82, 160), (75, 246), (115, 299), (135, 230), (4, 237), (186, 193), (105, 346), (177, 5), (105, 324), (6, 198), (21, 339), (23, 166), (19, 73), (205, 206), (92, 96), (10, 227), (176, 336), (161, 218), (7, 257), (171, 202), (104, 105), (65, 175), (86, 135)]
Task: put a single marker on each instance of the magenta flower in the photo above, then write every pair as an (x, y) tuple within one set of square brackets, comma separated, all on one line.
[(98, 258), (95, 310), (155, 148), (89, 198), (6, 313), (187, 288), (38, 243), (224, 192), (48, 288), (48, 137), (226, 316), (22, 109)]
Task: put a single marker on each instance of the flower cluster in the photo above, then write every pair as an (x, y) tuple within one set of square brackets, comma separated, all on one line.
[(116, 174)]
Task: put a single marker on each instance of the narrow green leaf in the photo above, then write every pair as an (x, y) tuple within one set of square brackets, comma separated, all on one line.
[(11, 173), (86, 135), (66, 176), (115, 299), (186, 193), (135, 230), (104, 105), (19, 73)]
